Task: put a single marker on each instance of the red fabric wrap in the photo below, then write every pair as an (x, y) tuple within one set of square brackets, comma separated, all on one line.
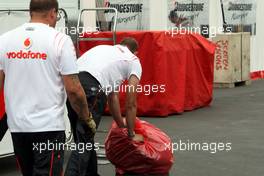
[(2, 105), (183, 63), (153, 156)]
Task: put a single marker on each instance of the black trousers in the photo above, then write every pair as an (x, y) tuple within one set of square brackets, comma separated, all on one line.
[(84, 163), (3, 127), (39, 154)]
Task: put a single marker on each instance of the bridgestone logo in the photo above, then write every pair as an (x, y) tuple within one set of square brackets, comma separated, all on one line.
[(26, 55), (125, 8), (240, 7), (189, 7)]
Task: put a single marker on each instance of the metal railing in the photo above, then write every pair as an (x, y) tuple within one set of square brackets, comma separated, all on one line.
[(113, 28)]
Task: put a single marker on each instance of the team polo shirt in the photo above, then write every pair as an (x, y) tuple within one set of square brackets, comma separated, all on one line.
[(110, 65), (34, 57)]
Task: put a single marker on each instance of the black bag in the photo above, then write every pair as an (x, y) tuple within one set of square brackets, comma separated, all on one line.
[(3, 127)]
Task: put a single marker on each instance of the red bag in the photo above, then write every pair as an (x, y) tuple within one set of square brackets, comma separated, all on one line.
[(153, 156)]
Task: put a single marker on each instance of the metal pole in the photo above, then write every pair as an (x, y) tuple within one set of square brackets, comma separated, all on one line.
[(223, 16)]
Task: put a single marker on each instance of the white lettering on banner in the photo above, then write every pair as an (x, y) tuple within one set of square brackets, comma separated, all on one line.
[(189, 7), (239, 16), (240, 7), (127, 19), (125, 8)]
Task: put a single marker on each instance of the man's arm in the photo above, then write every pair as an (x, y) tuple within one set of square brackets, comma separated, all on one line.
[(2, 78), (131, 108), (131, 104), (77, 98), (68, 69), (114, 107), (76, 95)]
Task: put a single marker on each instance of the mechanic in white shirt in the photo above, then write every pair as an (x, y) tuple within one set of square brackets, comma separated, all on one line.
[(102, 70), (37, 68)]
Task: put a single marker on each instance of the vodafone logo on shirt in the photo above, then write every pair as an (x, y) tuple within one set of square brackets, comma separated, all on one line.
[(28, 43), (22, 54)]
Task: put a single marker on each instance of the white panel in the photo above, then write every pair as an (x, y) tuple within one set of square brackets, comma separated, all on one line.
[(257, 45), (12, 4), (158, 14), (89, 18), (14, 19), (215, 17)]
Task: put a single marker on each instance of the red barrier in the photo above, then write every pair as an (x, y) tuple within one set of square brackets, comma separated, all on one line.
[(183, 63), (257, 75)]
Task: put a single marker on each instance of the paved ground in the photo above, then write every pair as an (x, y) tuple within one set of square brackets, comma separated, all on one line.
[(235, 116)]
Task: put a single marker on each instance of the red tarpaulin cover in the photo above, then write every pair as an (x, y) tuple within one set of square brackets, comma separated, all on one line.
[(2, 106), (183, 63)]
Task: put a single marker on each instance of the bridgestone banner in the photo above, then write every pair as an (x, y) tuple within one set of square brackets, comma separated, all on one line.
[(132, 14), (241, 15), (188, 13)]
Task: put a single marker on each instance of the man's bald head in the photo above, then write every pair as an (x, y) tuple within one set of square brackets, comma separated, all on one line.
[(40, 6), (44, 11)]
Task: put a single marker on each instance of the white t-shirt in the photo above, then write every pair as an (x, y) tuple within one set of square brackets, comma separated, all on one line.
[(110, 65), (34, 57)]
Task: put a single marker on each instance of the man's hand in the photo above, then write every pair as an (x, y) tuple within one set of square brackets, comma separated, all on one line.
[(138, 138), (2, 78), (88, 125), (91, 124), (135, 137)]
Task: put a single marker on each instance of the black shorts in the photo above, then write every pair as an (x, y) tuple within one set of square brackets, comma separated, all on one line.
[(39, 154), (3, 127)]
